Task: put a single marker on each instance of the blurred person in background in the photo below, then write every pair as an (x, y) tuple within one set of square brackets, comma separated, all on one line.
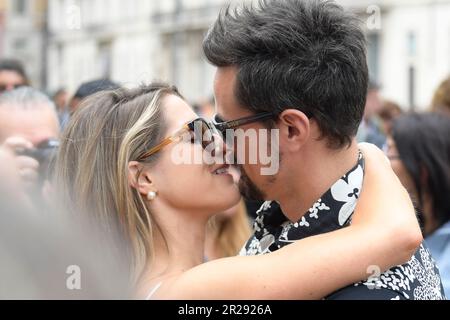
[(370, 129), (89, 88), (61, 100), (441, 99), (29, 128), (46, 254), (12, 75), (11, 183), (387, 114), (115, 165), (419, 150)]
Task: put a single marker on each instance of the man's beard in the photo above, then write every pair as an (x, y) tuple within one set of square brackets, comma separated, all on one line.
[(248, 189)]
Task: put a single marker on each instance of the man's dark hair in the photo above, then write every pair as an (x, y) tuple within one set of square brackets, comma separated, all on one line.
[(91, 87), (423, 144), (15, 66), (307, 55)]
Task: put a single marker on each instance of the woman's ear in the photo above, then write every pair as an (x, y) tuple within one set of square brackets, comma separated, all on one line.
[(139, 178), (294, 129)]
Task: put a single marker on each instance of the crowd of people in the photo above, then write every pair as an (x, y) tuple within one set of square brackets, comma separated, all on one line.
[(101, 160)]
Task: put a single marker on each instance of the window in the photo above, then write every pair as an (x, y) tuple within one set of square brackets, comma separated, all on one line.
[(104, 58)]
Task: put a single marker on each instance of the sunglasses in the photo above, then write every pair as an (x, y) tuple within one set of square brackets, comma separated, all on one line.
[(222, 126), (199, 129), (4, 87)]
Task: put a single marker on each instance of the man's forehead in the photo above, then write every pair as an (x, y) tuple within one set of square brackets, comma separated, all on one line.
[(224, 86), (33, 125), (225, 78)]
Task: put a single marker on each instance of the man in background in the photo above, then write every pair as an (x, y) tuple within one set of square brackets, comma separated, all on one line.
[(90, 88), (12, 75), (29, 128)]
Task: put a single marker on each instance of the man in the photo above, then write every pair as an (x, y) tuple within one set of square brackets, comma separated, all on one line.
[(12, 75), (301, 66), (29, 128)]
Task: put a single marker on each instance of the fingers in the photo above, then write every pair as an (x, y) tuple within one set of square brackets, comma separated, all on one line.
[(27, 166), (14, 143), (373, 153), (9, 172)]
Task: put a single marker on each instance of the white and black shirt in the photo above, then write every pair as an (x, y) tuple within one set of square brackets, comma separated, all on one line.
[(418, 279)]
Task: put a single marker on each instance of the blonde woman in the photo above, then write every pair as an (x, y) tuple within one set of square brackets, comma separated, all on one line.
[(115, 163)]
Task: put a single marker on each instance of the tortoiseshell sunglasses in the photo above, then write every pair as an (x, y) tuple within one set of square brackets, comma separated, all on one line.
[(206, 137)]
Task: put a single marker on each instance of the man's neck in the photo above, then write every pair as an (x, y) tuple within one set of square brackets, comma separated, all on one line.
[(315, 177)]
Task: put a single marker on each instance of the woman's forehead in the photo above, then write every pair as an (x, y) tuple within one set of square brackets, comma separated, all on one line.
[(177, 111)]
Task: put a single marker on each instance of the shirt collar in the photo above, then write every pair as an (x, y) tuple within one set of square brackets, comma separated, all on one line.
[(332, 211)]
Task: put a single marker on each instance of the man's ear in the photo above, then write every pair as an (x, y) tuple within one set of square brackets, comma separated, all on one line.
[(294, 128), (138, 178)]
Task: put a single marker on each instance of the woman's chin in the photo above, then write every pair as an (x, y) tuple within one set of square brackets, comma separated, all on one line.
[(232, 200)]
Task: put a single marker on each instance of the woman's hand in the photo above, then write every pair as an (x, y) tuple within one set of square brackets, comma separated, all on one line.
[(386, 207)]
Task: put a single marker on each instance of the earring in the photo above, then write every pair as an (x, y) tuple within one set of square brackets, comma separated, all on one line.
[(152, 195)]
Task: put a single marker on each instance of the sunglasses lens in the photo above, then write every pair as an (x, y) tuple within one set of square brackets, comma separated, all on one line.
[(208, 136), (202, 133)]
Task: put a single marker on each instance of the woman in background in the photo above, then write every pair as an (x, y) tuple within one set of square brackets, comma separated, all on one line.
[(419, 150)]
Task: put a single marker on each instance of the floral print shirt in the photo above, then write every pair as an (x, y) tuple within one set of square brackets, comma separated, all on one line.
[(418, 279)]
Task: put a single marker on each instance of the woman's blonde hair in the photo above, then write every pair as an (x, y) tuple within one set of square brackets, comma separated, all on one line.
[(441, 98), (231, 231), (109, 130)]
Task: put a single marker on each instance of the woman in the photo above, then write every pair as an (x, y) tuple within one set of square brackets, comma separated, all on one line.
[(116, 161), (419, 150)]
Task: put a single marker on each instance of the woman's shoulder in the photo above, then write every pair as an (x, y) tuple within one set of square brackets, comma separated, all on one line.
[(153, 291), (159, 288)]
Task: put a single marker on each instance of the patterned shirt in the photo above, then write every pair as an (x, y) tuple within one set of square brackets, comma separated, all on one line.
[(418, 279)]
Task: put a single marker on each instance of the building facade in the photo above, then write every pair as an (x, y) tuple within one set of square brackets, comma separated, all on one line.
[(409, 47), (138, 41), (130, 42), (23, 35)]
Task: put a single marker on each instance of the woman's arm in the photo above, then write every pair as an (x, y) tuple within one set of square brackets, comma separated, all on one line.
[(317, 266), (385, 204)]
